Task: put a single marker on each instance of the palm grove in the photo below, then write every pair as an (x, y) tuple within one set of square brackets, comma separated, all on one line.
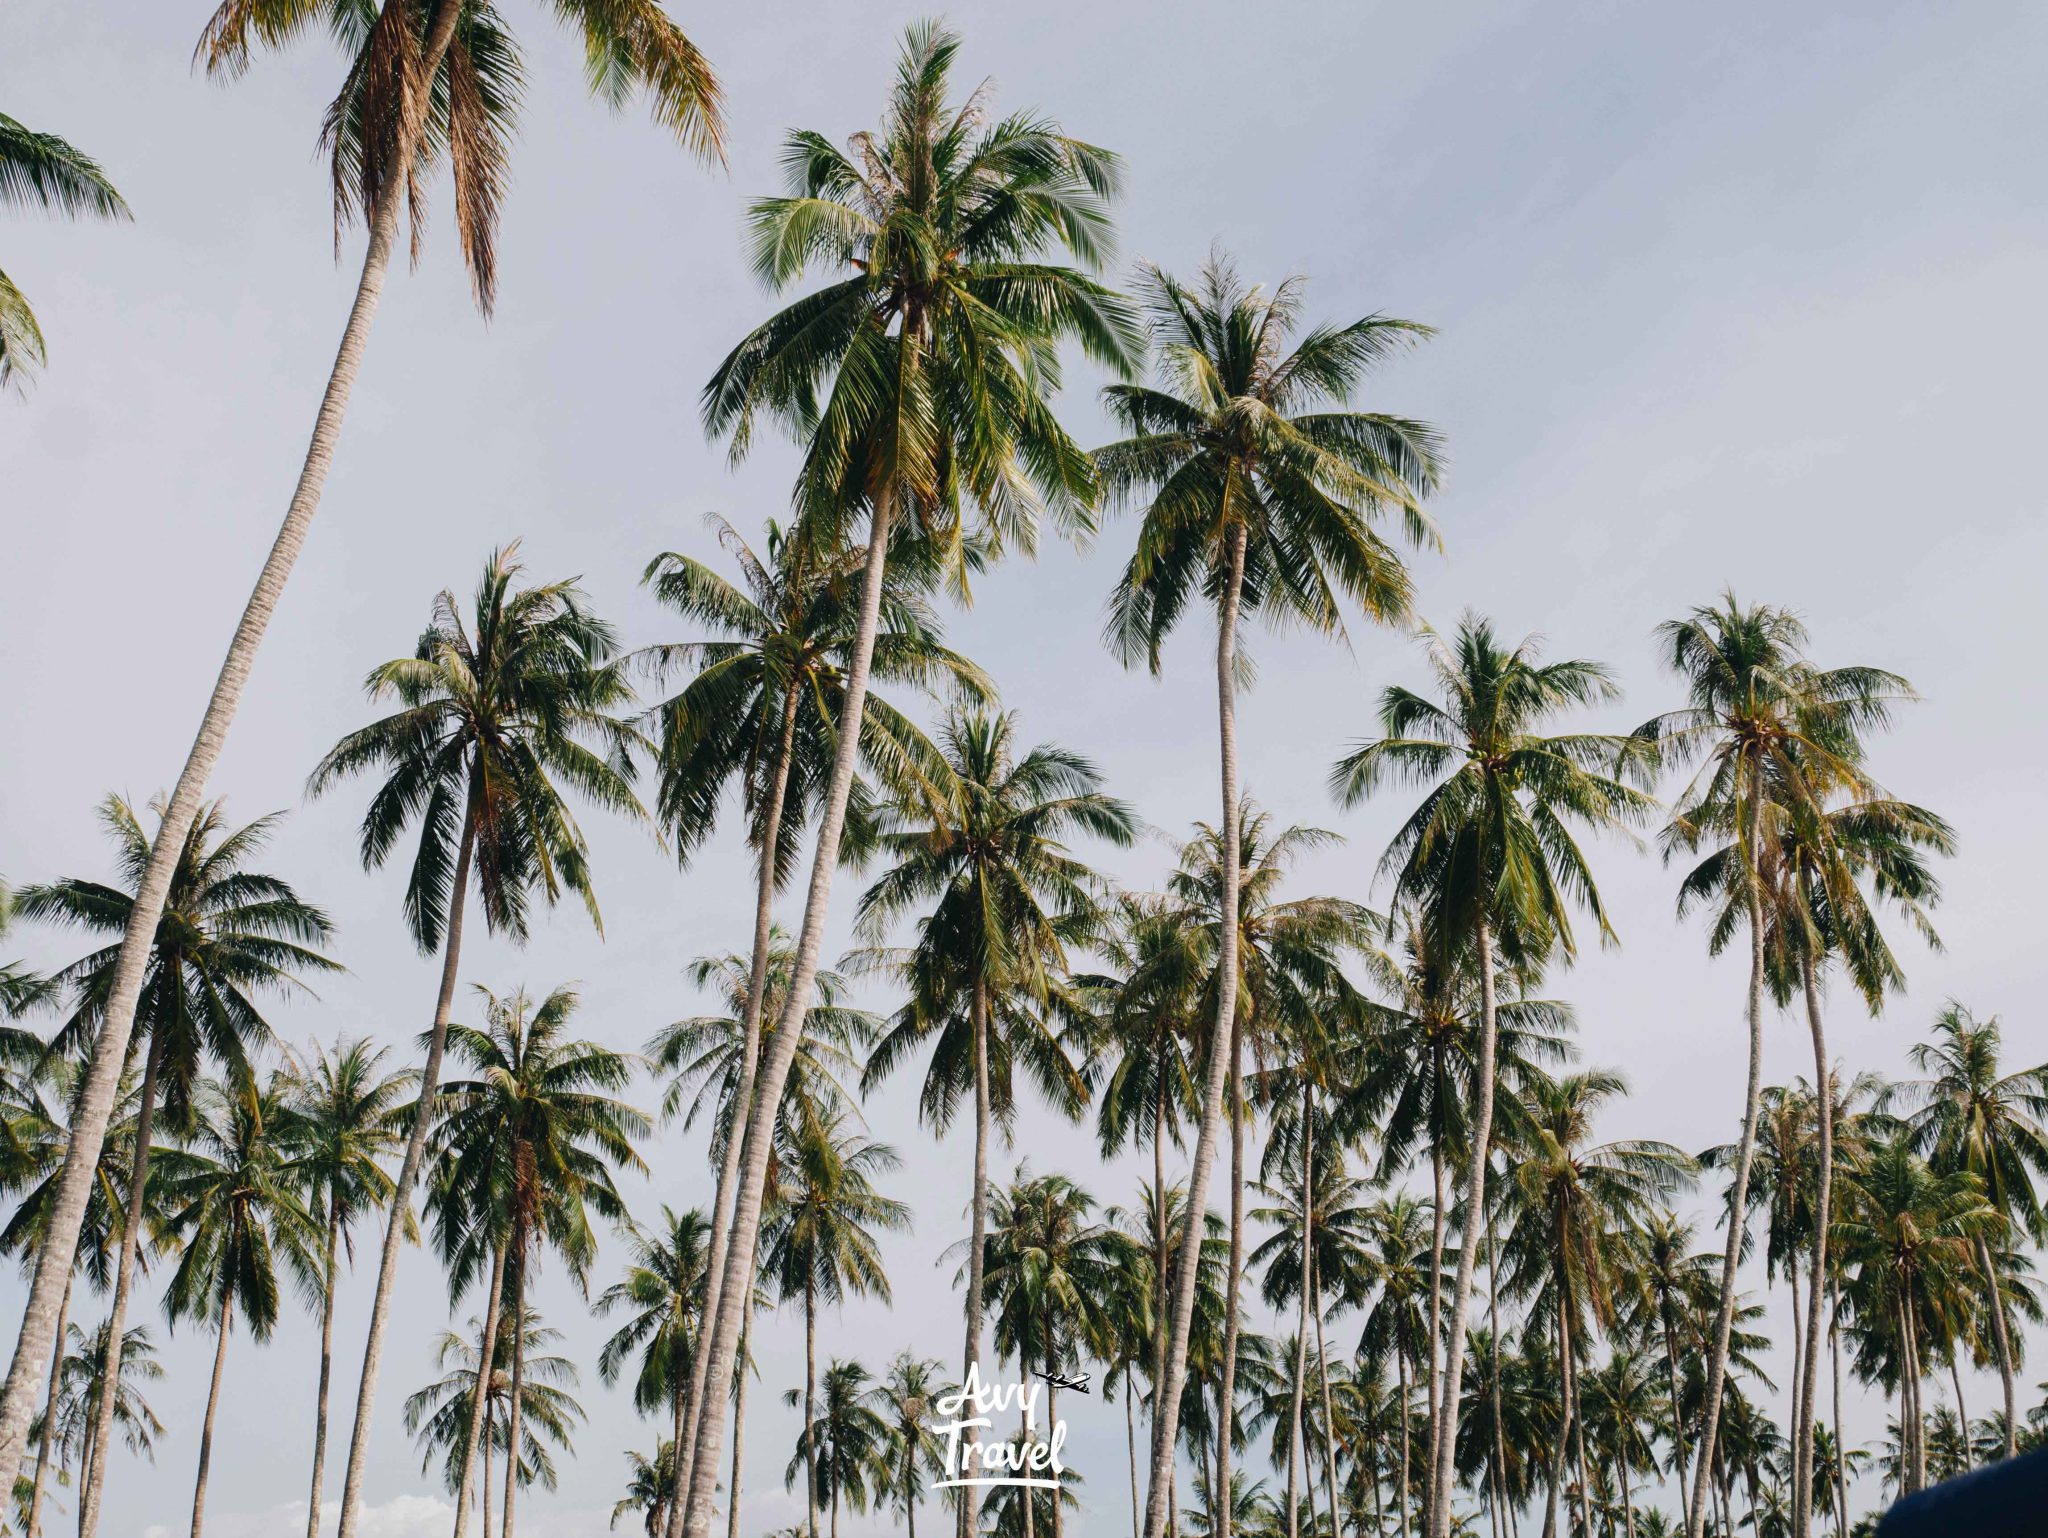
[(1386, 1274)]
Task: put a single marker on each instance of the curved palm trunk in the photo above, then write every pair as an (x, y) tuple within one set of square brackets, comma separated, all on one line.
[(1823, 1204), (329, 1272), (43, 1443), (810, 1407), (1995, 1296), (1443, 1476), (746, 1222), (480, 1400), (96, 1098), (1166, 1415), (1745, 1154), (743, 1097), (977, 1244), (512, 1406), (401, 1195), (220, 1361), (1226, 1396), (117, 1316), (739, 1433)]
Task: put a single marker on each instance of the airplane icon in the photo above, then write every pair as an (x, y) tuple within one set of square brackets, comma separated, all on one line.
[(1060, 1380)]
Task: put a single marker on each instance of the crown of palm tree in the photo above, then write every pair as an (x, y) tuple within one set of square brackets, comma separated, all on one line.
[(39, 170), (438, 1415), (662, 1292)]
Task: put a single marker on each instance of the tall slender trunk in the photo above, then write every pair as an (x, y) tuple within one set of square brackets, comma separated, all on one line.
[(480, 1400), (1166, 1415), (517, 1263), (1823, 1206), (1745, 1154), (95, 1106), (1798, 1347), (1029, 1497), (1628, 1506), (1401, 1376), (743, 1094), (977, 1244), (1677, 1410), (1995, 1296), (1913, 1425), (1297, 1447), (1226, 1394), (1436, 1305), (739, 1431), (484, 1473), (43, 1443), (1841, 1473), (810, 1407), (220, 1361), (1500, 1445), (329, 1274), (124, 1280), (746, 1221), (1445, 1475), (1329, 1419), (1162, 1269), (1131, 1449), (401, 1195), (1578, 1420)]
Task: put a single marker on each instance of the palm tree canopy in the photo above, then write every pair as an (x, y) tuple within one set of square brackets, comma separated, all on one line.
[(39, 170), (820, 1235), (438, 1414)]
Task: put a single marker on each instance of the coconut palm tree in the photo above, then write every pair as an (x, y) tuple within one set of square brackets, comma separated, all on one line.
[(341, 1125), (842, 1454), (236, 1211), (1257, 488), (1768, 729), (1489, 864), (20, 989), (933, 346), (663, 1293), (526, 1147), (226, 935), (650, 1489), (443, 1416), (421, 78), (497, 714), (1397, 1319), (820, 1242), (913, 1454), (42, 171), (1970, 1115), (985, 864), (73, 1411)]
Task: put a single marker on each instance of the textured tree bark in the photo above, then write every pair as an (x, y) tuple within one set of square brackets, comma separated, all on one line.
[(220, 1361), (810, 1408), (512, 1404), (330, 1266), (1439, 1198), (1226, 1395), (739, 1432), (1166, 1413), (1329, 1419), (480, 1400), (1995, 1295), (746, 1222), (977, 1244), (1297, 1447), (1823, 1206), (102, 1079), (35, 1489), (1724, 1317), (1444, 1476)]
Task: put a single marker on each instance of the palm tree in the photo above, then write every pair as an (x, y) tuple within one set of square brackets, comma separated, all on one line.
[(843, 1450), (496, 716), (650, 1490), (40, 170), (236, 1211), (527, 1146), (663, 1293), (760, 710), (934, 346), (985, 862), (1488, 862), (342, 1123), (73, 1410), (914, 1453), (1397, 1320), (421, 77), (1257, 493), (1970, 1116), (820, 1240), (225, 932), (1771, 730), (443, 1414)]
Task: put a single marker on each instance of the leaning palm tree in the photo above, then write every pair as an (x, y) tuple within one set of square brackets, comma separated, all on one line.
[(237, 1214), (933, 345), (342, 1125), (424, 77), (1488, 865), (227, 934), (1000, 897), (1969, 1115), (498, 713), (39, 170), (1258, 491), (527, 1146), (1770, 730)]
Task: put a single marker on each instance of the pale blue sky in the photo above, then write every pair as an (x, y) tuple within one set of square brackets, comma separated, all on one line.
[(1749, 295)]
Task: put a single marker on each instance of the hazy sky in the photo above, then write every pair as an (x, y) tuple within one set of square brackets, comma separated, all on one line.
[(1747, 295)]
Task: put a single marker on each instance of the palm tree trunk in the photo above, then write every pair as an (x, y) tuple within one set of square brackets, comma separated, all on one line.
[(1180, 1321), (1445, 1474), (1329, 1420), (1297, 1448), (1227, 1394), (810, 1407), (1027, 1496), (480, 1400), (746, 1222), (1745, 1154), (1401, 1377), (220, 1361), (484, 1473), (95, 1107), (408, 1175), (43, 1443), (1841, 1452), (739, 1433), (1995, 1296), (1161, 1269), (743, 1097), (1131, 1448), (977, 1244), (1823, 1206), (1436, 1304), (518, 1388), (1677, 1414), (124, 1278), (329, 1273)]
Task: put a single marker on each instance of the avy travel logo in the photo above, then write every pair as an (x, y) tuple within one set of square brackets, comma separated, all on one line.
[(1031, 1461)]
